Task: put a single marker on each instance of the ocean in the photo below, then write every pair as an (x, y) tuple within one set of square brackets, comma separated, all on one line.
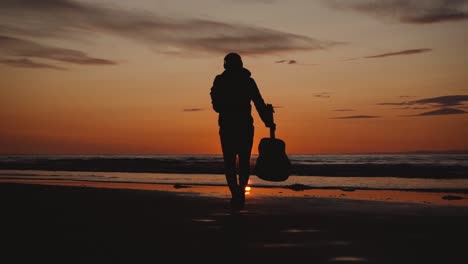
[(425, 172)]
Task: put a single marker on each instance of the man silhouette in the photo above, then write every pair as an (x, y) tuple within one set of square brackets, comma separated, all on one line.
[(231, 94)]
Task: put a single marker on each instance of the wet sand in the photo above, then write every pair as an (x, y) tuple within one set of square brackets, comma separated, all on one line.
[(108, 223)]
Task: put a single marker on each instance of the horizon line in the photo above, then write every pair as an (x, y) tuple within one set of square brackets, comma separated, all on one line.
[(465, 151)]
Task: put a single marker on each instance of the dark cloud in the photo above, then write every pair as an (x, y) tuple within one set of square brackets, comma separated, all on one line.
[(440, 101), (355, 117), (407, 96), (27, 63), (295, 62), (434, 18), (402, 52), (407, 11), (287, 61), (25, 49), (193, 109), (397, 53), (66, 18), (449, 100), (443, 111), (411, 108), (322, 95), (343, 110)]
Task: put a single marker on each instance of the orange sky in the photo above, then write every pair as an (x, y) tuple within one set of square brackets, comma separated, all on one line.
[(117, 77)]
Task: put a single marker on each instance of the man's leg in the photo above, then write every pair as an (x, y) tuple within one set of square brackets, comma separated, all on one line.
[(229, 156), (244, 169), (244, 157), (230, 171), (244, 164)]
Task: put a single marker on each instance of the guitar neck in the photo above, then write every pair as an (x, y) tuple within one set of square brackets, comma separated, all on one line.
[(271, 112), (272, 132)]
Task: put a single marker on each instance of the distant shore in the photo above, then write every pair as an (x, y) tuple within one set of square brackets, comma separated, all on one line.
[(105, 224), (197, 165)]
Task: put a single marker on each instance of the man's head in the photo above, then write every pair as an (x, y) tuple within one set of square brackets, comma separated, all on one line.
[(232, 61)]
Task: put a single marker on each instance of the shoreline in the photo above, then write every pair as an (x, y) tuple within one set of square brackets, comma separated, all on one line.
[(215, 165), (428, 197), (293, 182)]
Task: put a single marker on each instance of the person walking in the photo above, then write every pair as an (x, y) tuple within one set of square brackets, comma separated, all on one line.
[(231, 96)]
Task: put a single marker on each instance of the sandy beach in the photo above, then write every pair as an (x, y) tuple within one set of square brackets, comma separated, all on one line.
[(79, 222)]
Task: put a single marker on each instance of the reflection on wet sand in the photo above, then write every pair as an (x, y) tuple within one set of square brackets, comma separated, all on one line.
[(430, 198)]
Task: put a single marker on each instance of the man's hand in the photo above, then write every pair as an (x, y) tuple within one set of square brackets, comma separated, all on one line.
[(271, 125)]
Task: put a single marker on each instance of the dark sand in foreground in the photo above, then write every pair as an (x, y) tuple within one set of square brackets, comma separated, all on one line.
[(69, 224)]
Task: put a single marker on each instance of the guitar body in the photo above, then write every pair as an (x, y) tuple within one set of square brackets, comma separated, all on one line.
[(272, 163)]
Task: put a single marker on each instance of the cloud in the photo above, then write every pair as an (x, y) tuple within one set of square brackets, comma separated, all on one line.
[(407, 96), (411, 108), (294, 62), (25, 49), (287, 61), (323, 95), (193, 109), (350, 59), (443, 111), (450, 100), (440, 101), (343, 110), (66, 18), (407, 11), (402, 52), (396, 53), (355, 117), (27, 63)]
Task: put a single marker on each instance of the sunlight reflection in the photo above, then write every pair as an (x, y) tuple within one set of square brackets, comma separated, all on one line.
[(348, 259), (248, 190), (280, 245), (206, 220), (294, 230)]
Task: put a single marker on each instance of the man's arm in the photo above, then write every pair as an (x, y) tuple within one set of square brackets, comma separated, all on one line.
[(215, 96), (260, 105)]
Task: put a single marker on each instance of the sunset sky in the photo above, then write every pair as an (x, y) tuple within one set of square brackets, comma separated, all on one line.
[(133, 77)]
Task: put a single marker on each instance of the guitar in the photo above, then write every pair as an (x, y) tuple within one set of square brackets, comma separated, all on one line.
[(272, 163)]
